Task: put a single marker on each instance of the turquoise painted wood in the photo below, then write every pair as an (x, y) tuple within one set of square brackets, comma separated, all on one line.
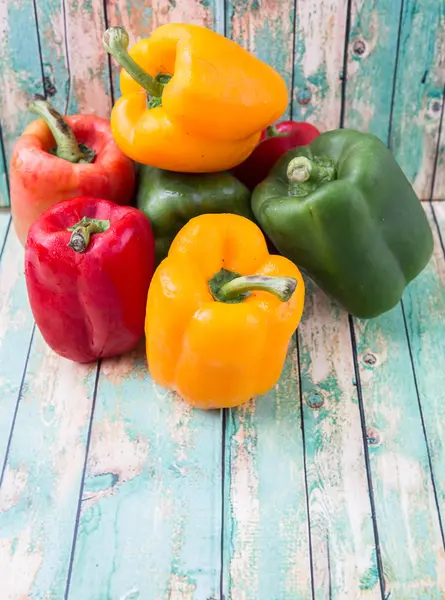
[(266, 531), (319, 42), (21, 73), (152, 493), (43, 472), (4, 191), (371, 63), (419, 92), (332, 486), (16, 330), (424, 308), (342, 538), (399, 461)]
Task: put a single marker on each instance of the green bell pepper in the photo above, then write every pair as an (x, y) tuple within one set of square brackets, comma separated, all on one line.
[(342, 210), (171, 199)]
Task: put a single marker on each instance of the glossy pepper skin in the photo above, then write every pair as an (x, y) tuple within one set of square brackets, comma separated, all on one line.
[(171, 199), (342, 209), (220, 353), (40, 179), (88, 288), (275, 141), (208, 105)]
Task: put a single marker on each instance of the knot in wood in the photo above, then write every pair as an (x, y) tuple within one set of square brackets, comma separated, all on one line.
[(359, 48), (370, 359)]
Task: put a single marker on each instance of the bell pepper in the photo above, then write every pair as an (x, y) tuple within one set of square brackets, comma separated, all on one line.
[(220, 313), (275, 141), (342, 209), (171, 199), (208, 98), (58, 158), (88, 266)]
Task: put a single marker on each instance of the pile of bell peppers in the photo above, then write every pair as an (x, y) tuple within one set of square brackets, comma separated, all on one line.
[(160, 220)]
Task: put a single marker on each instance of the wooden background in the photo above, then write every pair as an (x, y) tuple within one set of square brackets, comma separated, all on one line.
[(332, 486), (376, 65)]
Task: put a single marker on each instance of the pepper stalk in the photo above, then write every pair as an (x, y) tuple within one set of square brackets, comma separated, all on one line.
[(232, 288), (67, 147), (115, 41), (83, 230)]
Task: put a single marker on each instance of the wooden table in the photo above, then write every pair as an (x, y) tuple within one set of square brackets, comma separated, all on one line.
[(330, 486)]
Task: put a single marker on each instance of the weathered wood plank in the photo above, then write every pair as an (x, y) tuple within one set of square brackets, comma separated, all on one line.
[(265, 28), (371, 61), (419, 87), (424, 303), (4, 192), (320, 31), (40, 489), (76, 67), (343, 542), (439, 182), (408, 526), (140, 19), (4, 225), (16, 326), (152, 494), (20, 68), (409, 530), (266, 545)]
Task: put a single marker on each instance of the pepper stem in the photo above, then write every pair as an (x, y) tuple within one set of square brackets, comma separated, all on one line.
[(272, 131), (115, 41), (301, 169), (67, 147), (83, 230), (228, 286)]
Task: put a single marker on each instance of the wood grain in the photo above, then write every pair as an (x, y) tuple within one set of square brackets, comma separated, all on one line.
[(343, 543), (409, 530), (266, 537), (371, 62), (419, 87), (265, 28), (152, 494), (4, 226), (439, 181), (20, 68), (75, 64), (320, 29), (4, 191), (424, 304), (16, 327), (40, 489)]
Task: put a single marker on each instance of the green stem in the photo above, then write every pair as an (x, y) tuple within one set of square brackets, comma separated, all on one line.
[(83, 230), (305, 174), (67, 147), (272, 131), (227, 286), (301, 169), (115, 41)]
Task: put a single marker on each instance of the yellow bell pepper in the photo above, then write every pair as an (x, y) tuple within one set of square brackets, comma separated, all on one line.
[(220, 313), (192, 100)]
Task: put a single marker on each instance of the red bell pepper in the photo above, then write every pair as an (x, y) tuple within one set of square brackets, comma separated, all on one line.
[(88, 266), (274, 142), (58, 158)]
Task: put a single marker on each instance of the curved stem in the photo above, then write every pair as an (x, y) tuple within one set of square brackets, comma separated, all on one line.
[(281, 287), (83, 230), (115, 41), (301, 169), (67, 147), (228, 286)]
